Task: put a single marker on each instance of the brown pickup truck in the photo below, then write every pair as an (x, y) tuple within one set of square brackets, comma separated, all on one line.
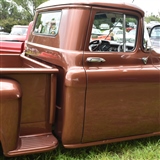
[(71, 87)]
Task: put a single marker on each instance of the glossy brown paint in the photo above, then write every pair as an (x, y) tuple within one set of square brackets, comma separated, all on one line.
[(10, 94), (117, 92), (87, 103), (67, 55), (121, 70), (28, 108)]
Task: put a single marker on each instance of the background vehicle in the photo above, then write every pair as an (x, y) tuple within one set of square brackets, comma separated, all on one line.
[(17, 45), (67, 88), (155, 37), (4, 33), (19, 30), (118, 35), (18, 34)]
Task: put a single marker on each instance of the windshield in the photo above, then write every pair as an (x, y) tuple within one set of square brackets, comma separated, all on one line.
[(19, 31)]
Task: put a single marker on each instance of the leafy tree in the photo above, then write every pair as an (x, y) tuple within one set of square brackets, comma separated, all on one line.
[(29, 5), (17, 12), (10, 15), (152, 18)]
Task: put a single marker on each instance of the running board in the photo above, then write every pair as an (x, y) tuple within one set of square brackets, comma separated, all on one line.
[(34, 144)]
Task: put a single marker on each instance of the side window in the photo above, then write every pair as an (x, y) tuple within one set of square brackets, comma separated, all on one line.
[(113, 32), (47, 23)]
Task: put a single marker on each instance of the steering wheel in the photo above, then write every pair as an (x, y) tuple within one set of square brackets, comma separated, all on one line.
[(99, 45)]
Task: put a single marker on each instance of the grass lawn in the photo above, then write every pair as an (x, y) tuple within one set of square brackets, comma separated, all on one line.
[(143, 149)]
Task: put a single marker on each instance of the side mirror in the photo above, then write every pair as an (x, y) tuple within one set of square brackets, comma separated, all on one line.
[(155, 31), (154, 35)]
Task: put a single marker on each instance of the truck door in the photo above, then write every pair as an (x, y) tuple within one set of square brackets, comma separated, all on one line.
[(122, 95)]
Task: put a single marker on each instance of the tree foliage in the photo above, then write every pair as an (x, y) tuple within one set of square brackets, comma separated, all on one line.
[(14, 12), (153, 17)]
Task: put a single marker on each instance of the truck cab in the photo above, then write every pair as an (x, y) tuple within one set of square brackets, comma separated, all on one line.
[(79, 87)]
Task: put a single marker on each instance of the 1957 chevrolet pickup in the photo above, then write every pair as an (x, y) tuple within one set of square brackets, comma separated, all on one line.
[(73, 87)]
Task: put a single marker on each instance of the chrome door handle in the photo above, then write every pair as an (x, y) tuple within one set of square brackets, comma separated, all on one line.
[(95, 59)]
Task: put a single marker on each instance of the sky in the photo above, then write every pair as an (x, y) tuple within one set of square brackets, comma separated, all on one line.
[(149, 6)]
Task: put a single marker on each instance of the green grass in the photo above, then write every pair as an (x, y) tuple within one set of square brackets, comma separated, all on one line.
[(143, 149)]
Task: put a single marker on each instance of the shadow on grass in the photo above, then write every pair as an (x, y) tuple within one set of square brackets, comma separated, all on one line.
[(62, 153)]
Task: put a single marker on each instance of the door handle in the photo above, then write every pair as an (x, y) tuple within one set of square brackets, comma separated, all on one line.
[(95, 59)]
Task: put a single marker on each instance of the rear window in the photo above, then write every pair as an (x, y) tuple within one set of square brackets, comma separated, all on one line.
[(47, 23)]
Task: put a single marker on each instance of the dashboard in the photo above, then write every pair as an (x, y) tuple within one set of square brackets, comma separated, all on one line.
[(110, 46)]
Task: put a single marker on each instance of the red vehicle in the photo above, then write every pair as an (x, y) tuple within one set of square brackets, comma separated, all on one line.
[(8, 47), (18, 34), (17, 45), (67, 88)]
